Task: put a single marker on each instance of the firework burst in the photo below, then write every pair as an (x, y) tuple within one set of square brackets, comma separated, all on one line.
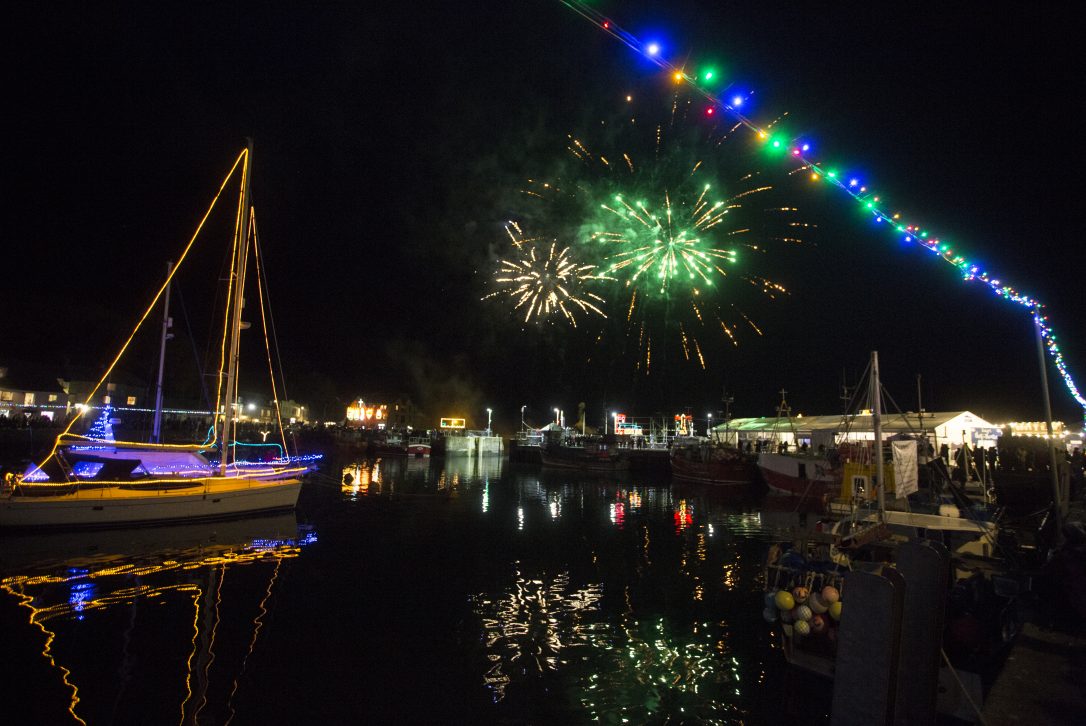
[(543, 281), (676, 228)]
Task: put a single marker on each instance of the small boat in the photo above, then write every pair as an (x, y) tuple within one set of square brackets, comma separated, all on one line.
[(95, 481), (589, 455), (712, 463), (388, 443), (418, 447)]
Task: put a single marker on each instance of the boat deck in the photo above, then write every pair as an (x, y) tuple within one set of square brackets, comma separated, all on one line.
[(134, 490)]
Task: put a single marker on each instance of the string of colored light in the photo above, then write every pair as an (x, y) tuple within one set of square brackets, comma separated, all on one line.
[(798, 149)]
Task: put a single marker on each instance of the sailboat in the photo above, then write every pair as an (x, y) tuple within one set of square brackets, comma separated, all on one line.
[(95, 481)]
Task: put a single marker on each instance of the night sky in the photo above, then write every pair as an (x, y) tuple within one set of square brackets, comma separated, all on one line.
[(391, 141)]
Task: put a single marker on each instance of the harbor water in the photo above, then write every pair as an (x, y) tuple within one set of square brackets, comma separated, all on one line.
[(458, 590)]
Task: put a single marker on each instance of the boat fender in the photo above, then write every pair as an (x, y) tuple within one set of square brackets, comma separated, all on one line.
[(784, 600), (830, 595)]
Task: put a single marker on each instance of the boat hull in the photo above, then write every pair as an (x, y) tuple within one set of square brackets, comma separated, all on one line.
[(798, 475), (113, 506), (578, 459), (721, 471)]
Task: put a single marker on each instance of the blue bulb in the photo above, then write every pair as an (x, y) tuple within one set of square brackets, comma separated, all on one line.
[(853, 182), (653, 48), (737, 101)]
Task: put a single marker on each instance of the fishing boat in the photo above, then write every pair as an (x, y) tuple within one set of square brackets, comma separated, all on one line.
[(93, 480), (884, 593), (418, 447), (797, 472), (585, 455), (712, 463)]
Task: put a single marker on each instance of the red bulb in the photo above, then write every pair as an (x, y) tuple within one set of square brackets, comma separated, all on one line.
[(606, 24), (710, 111)]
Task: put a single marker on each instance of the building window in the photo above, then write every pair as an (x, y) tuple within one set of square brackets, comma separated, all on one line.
[(107, 399), (28, 399), (131, 400), (52, 397), (6, 396)]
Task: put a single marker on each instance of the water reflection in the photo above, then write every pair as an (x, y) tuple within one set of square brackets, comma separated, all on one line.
[(456, 590), (526, 629), (130, 619), (398, 475), (663, 621)]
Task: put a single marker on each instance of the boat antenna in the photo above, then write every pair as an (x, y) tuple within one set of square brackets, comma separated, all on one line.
[(727, 401), (876, 419)]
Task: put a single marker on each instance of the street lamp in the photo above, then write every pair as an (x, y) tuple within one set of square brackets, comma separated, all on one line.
[(709, 427), (614, 423), (522, 424), (489, 412), (557, 417)]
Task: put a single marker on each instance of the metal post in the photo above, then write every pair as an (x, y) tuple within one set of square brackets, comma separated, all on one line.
[(876, 419), (156, 431), (1057, 500), (229, 423)]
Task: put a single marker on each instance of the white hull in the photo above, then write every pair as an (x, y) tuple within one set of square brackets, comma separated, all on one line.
[(112, 506)]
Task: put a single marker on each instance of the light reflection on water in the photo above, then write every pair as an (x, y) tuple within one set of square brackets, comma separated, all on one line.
[(115, 584), (574, 598)]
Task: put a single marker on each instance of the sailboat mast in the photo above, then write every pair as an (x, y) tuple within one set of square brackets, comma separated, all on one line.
[(876, 420), (229, 425), (156, 431)]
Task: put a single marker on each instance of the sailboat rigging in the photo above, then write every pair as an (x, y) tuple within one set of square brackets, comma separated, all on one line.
[(94, 480)]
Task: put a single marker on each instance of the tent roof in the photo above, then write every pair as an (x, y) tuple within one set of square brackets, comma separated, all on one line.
[(891, 423)]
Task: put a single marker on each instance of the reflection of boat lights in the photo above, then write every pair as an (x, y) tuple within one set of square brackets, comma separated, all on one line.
[(520, 517), (618, 514), (634, 499), (555, 509), (486, 496), (711, 530), (684, 515), (84, 587), (80, 592)]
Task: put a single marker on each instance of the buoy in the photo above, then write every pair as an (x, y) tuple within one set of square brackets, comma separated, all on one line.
[(816, 604), (802, 612), (770, 614), (818, 624), (784, 600), (830, 595), (835, 610), (802, 628), (800, 594)]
